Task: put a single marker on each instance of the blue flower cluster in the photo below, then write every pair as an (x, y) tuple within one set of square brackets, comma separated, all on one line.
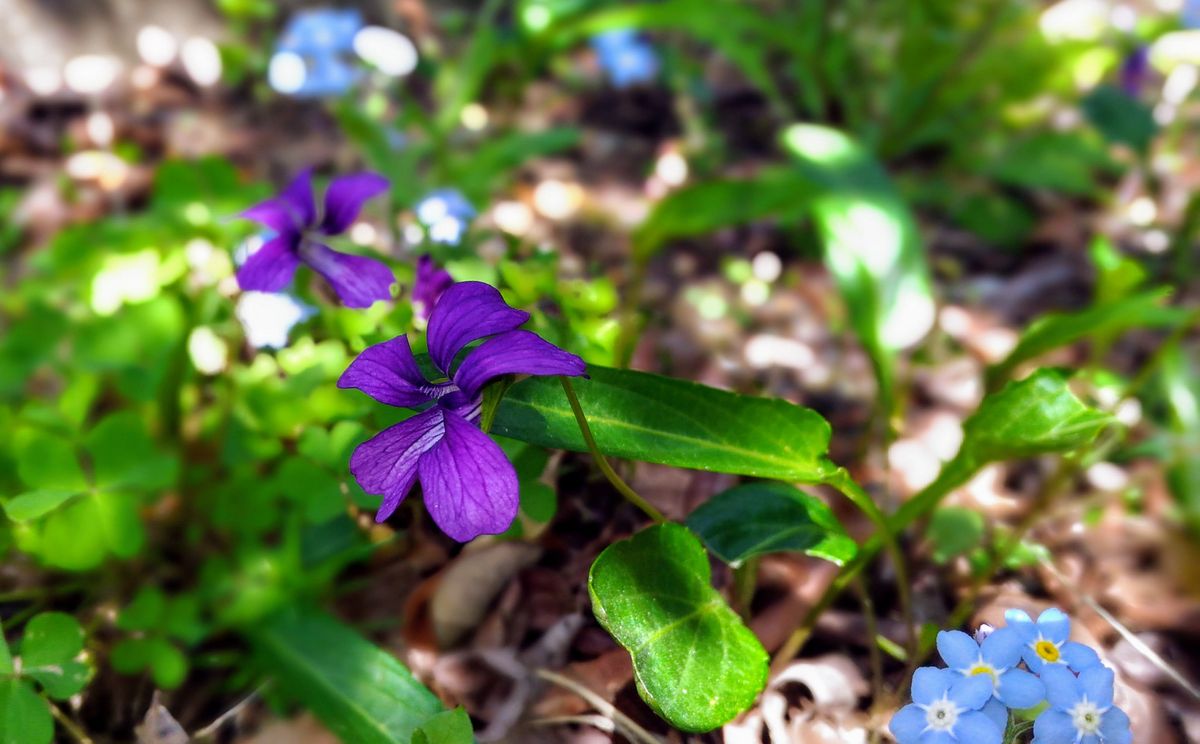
[(313, 56), (970, 701), (625, 57)]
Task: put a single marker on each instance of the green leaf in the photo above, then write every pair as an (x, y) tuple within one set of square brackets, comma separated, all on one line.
[(125, 456), (954, 531), (34, 504), (145, 612), (61, 681), (51, 638), (695, 663), (657, 419), (760, 518), (704, 207), (78, 536), (1120, 117), (872, 246), (1035, 416), (1057, 161), (48, 462), (361, 693), (6, 660), (168, 665), (24, 717), (449, 727), (130, 655), (1053, 330), (314, 489)]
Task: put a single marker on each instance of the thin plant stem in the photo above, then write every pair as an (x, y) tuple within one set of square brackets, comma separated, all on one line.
[(860, 498), (745, 581), (633, 731), (69, 725), (876, 657), (622, 487)]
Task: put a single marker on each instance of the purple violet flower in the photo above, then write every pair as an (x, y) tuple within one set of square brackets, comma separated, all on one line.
[(470, 486), (359, 281), (1135, 71), (431, 282)]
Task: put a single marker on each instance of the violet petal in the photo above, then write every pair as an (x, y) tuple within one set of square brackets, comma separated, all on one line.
[(430, 283), (470, 486), (468, 311), (514, 352), (271, 267), (344, 199), (358, 280), (298, 197), (388, 373), (387, 462)]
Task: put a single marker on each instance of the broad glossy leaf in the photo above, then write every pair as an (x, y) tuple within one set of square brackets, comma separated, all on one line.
[(640, 416), (34, 504), (1142, 310), (1034, 416), (759, 518), (24, 717), (360, 692), (696, 664), (51, 638), (872, 246)]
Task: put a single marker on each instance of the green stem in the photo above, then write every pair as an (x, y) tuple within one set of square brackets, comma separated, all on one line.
[(842, 481), (619, 484), (952, 476), (745, 581)]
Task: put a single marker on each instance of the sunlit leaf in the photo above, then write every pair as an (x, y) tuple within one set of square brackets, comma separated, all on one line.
[(695, 662), (34, 504), (51, 638), (872, 246), (647, 417), (760, 518)]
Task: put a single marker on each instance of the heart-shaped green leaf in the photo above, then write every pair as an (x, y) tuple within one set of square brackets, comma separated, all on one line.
[(51, 638), (647, 417), (759, 518), (61, 681), (31, 505), (696, 664)]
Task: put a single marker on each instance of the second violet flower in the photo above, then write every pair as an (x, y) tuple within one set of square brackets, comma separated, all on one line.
[(300, 238), (469, 485)]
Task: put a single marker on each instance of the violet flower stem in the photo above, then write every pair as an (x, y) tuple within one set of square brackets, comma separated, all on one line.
[(619, 484)]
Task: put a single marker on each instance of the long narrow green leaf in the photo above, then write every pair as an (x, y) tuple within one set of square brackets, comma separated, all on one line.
[(360, 692), (872, 246), (647, 417)]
